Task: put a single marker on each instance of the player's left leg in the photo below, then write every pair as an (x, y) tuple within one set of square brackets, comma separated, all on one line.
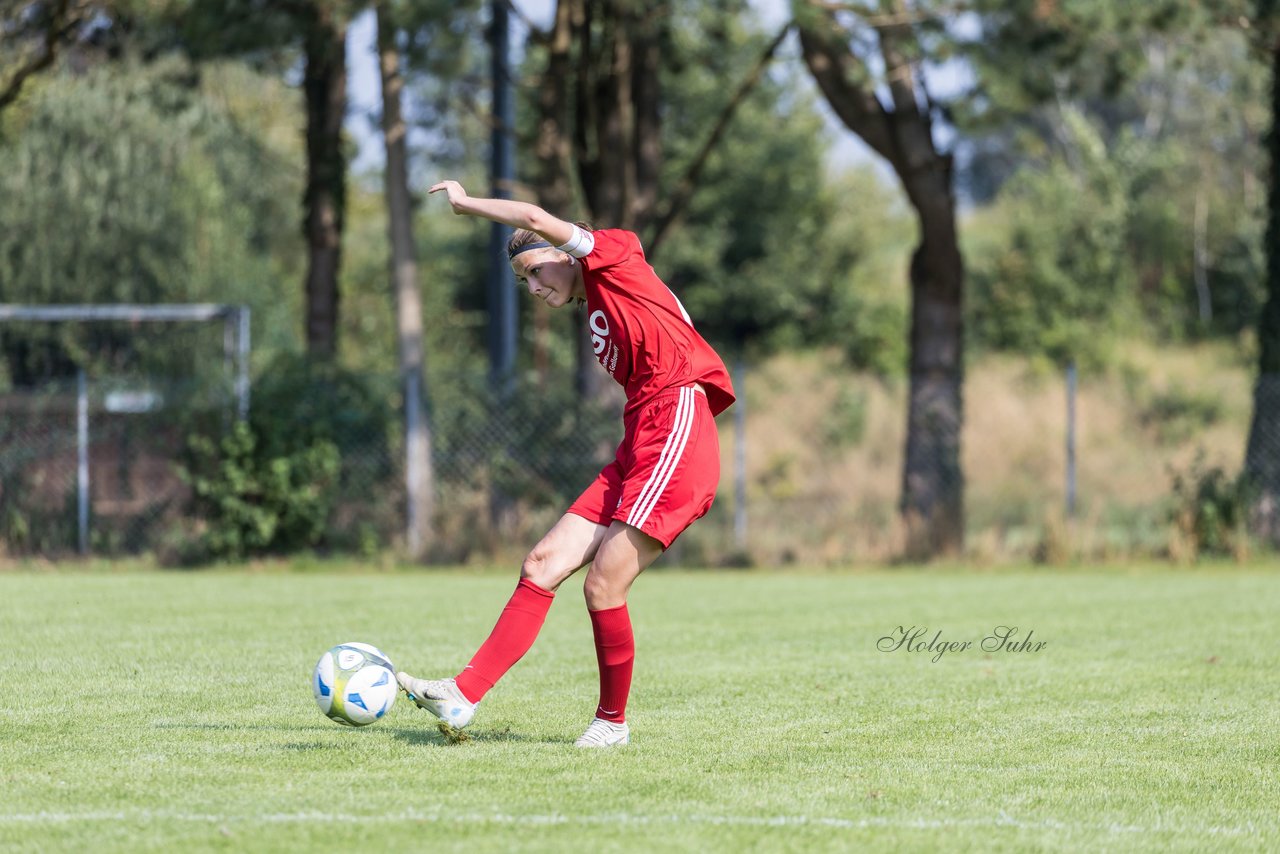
[(671, 482), (624, 553)]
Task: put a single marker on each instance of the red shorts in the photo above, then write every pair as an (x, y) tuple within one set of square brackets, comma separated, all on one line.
[(666, 471)]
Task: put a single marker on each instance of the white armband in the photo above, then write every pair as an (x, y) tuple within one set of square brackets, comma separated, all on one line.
[(580, 244)]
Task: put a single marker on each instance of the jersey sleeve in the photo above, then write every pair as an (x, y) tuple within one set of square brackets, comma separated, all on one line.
[(613, 247)]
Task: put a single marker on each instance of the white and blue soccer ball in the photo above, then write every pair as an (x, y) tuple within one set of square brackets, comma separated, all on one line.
[(354, 684)]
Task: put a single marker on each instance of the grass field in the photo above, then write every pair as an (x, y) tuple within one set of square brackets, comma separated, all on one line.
[(149, 711)]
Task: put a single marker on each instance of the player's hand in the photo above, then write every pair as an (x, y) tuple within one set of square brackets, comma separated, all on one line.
[(457, 195)]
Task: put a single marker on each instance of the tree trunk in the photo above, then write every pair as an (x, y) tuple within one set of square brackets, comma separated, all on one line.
[(617, 129), (1262, 454), (325, 86), (932, 480), (553, 150), (647, 25), (552, 147), (617, 135), (419, 472)]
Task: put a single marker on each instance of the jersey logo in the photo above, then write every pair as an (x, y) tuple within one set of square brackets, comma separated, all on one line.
[(599, 331), (600, 342)]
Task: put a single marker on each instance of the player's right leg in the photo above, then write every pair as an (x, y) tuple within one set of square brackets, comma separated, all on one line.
[(570, 545)]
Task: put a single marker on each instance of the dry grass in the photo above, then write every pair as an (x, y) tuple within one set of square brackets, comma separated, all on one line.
[(825, 446)]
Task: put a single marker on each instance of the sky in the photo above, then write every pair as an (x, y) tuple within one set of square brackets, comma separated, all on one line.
[(364, 88)]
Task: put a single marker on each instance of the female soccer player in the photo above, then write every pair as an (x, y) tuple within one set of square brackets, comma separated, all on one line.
[(663, 477)]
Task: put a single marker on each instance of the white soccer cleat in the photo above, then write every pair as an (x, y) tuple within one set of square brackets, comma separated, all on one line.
[(440, 697), (602, 733)]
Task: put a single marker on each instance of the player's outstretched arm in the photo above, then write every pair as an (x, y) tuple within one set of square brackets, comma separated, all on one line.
[(515, 214)]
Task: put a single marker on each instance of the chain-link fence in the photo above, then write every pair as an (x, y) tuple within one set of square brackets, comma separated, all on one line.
[(821, 475), (91, 472), (318, 464)]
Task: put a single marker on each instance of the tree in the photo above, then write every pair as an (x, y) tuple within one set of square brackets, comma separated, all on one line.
[(599, 102), (1064, 38), (1170, 105), (420, 479), (324, 26), (843, 44), (118, 207), (316, 31), (1262, 453)]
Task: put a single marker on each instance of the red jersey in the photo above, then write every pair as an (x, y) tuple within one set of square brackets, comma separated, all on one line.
[(640, 332)]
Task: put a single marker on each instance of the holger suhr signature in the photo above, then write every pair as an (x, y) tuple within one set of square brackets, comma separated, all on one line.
[(916, 639)]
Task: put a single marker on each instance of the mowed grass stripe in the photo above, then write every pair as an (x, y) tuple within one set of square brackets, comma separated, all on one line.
[(150, 710)]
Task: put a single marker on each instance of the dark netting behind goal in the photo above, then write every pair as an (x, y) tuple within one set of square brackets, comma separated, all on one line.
[(95, 407)]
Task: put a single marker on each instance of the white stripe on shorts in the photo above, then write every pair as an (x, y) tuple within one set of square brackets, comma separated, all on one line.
[(656, 474), (667, 460)]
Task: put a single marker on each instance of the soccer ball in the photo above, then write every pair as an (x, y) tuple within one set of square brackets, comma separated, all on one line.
[(354, 684)]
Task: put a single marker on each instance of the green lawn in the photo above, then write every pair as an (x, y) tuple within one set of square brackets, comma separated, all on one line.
[(162, 710)]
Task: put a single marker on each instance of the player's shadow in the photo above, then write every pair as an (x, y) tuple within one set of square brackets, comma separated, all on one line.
[(306, 746), (436, 738), (413, 735), (236, 727)]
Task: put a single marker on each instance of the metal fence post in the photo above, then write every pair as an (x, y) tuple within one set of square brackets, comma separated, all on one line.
[(1071, 440), (82, 461), (242, 360), (740, 455)]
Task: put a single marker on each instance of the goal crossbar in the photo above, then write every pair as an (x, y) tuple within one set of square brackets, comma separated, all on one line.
[(234, 317), (50, 313)]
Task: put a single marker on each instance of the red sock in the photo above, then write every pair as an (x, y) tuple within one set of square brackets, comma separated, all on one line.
[(616, 653), (510, 639)]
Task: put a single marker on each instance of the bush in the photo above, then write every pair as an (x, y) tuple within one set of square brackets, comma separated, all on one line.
[(1210, 511), (254, 502), (308, 469)]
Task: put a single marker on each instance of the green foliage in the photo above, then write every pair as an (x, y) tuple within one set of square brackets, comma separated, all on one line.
[(1135, 132), (772, 253), (1211, 510), (297, 402), (1062, 285), (861, 261), (307, 470), (140, 183), (255, 502), (29, 524), (740, 260)]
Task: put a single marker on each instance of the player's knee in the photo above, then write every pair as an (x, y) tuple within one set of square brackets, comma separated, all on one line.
[(538, 569), (600, 593)]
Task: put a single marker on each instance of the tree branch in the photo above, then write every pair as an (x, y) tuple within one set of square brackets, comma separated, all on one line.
[(898, 70), (684, 190), (857, 106), (890, 20), (54, 33)]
